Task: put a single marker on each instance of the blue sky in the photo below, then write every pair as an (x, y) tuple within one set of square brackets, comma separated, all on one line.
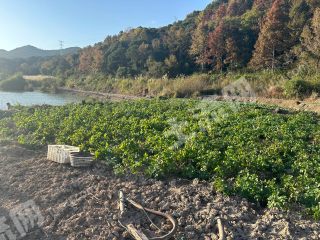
[(43, 23)]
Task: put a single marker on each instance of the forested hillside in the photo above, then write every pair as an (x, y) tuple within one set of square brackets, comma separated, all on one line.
[(228, 36)]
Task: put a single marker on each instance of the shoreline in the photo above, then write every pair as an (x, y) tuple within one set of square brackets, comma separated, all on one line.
[(311, 105), (99, 95)]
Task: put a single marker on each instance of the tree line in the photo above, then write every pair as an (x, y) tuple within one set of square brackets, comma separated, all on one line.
[(228, 35)]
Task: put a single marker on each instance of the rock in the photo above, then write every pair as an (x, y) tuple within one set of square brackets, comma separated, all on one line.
[(189, 228), (195, 181)]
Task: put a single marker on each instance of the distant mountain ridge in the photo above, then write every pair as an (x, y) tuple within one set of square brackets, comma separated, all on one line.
[(31, 51)]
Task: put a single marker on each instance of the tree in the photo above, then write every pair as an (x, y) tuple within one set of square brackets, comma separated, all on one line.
[(156, 69), (206, 22), (115, 57), (220, 13), (230, 45), (274, 39), (199, 42), (14, 83), (313, 3), (232, 53), (299, 14), (311, 38), (262, 5), (172, 65), (238, 7), (216, 47), (90, 59)]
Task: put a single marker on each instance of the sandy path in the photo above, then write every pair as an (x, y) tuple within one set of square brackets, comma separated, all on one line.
[(82, 203), (100, 95)]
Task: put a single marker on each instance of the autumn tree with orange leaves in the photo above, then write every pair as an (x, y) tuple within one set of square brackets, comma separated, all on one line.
[(274, 39)]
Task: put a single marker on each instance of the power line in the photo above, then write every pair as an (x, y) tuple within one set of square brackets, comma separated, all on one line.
[(61, 44)]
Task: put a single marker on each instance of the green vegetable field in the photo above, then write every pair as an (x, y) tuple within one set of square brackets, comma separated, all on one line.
[(267, 155)]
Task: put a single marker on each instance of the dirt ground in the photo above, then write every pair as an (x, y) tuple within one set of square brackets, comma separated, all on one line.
[(83, 203), (100, 95), (312, 105)]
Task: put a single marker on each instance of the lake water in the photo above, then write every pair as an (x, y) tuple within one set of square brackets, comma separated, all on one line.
[(36, 98)]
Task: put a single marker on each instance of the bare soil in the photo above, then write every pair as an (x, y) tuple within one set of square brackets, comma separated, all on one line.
[(100, 95), (83, 203), (311, 104)]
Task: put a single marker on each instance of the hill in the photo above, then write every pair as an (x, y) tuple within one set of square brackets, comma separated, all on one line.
[(270, 42), (226, 36), (31, 51)]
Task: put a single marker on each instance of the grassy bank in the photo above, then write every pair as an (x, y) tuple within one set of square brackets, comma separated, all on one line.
[(270, 157), (289, 84), (294, 84)]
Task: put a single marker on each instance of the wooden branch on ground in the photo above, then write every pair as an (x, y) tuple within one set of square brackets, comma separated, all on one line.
[(221, 229), (138, 235), (167, 216), (135, 233), (121, 203)]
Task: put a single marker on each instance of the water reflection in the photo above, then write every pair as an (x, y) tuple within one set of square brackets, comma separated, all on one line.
[(36, 98)]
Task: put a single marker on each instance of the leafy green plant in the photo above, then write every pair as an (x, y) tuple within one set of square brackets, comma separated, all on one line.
[(246, 149), (298, 88)]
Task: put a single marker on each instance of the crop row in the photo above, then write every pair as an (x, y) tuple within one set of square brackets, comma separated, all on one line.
[(270, 157)]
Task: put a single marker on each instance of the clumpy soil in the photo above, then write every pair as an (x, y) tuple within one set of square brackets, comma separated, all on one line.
[(83, 203)]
